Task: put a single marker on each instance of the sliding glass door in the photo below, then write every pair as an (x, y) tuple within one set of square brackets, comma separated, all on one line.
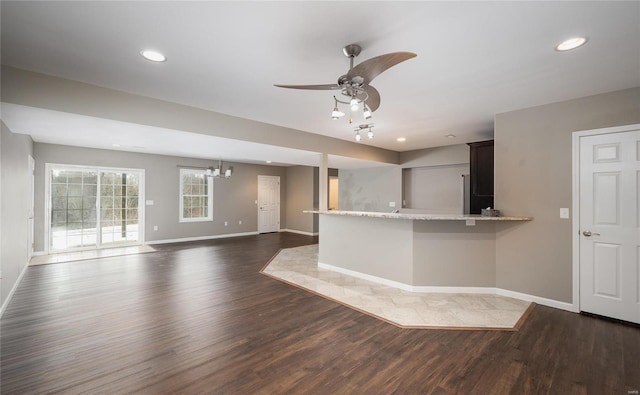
[(119, 215), (93, 207), (73, 208)]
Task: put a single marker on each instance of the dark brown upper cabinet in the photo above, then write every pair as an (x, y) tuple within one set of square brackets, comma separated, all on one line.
[(481, 171)]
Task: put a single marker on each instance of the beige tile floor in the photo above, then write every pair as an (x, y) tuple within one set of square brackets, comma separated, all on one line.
[(298, 266), (89, 254)]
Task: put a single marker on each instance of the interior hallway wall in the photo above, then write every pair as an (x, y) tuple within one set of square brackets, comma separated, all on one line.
[(14, 179), (302, 194), (533, 177)]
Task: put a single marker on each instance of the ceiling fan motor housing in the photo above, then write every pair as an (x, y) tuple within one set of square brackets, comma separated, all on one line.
[(351, 50)]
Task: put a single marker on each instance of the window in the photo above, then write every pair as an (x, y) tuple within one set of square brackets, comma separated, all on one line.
[(196, 196)]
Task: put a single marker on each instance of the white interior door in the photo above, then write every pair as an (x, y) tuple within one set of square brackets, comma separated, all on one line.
[(609, 225), (268, 204)]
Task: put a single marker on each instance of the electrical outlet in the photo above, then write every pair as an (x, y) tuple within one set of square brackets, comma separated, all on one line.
[(240, 222), (471, 222), (392, 204), (564, 213), (155, 228), (226, 223)]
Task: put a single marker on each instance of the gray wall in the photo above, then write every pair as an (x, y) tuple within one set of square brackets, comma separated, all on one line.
[(431, 179), (301, 195), (382, 247), (14, 170), (434, 189), (234, 198), (431, 182), (449, 253), (43, 91), (533, 177), (437, 156), (370, 189)]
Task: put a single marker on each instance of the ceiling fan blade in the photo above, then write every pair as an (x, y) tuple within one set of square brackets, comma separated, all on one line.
[(324, 87), (373, 102), (371, 68)]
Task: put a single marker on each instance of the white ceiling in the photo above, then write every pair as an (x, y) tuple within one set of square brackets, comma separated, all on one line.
[(475, 59)]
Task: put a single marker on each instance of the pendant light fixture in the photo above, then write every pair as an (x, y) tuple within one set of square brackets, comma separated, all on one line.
[(213, 172)]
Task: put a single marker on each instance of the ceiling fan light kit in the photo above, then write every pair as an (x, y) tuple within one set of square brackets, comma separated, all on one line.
[(355, 85), (336, 113)]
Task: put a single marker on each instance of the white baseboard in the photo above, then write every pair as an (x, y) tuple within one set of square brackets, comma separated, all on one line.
[(368, 277), (197, 238), (470, 290), (538, 299), (13, 290), (299, 232), (454, 290)]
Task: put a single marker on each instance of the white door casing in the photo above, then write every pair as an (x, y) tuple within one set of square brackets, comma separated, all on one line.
[(609, 224), (268, 204), (31, 201)]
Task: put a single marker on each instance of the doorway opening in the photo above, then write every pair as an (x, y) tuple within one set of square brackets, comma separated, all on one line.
[(334, 193)]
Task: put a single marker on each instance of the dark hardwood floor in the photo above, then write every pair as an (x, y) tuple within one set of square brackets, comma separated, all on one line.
[(199, 318)]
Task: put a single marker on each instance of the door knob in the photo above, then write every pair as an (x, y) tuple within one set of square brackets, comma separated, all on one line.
[(588, 233)]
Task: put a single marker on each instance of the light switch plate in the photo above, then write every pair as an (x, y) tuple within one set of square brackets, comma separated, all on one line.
[(564, 213), (149, 202)]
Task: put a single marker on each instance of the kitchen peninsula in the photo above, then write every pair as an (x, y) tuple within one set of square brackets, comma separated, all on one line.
[(415, 252)]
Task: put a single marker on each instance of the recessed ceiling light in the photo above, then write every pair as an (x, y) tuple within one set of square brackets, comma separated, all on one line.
[(571, 43), (450, 136), (401, 139), (268, 161), (153, 56)]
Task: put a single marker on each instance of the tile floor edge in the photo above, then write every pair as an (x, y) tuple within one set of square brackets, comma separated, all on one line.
[(514, 328)]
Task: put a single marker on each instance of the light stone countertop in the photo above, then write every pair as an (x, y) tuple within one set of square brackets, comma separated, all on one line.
[(425, 217)]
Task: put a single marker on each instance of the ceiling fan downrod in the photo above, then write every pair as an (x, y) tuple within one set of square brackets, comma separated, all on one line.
[(351, 51)]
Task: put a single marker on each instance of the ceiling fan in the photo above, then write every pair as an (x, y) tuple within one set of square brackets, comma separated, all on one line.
[(355, 85)]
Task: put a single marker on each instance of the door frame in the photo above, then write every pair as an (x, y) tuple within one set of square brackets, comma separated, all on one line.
[(47, 205), (575, 154), (31, 164)]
